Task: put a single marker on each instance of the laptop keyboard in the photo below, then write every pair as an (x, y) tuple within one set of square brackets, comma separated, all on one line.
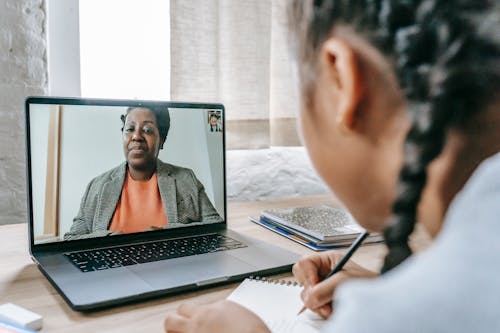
[(95, 260)]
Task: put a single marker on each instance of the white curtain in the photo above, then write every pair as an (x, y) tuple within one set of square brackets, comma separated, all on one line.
[(235, 52)]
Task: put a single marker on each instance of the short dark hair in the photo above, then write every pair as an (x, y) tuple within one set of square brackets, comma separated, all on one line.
[(161, 114)]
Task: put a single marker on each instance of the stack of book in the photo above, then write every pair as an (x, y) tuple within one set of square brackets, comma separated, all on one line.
[(319, 227)]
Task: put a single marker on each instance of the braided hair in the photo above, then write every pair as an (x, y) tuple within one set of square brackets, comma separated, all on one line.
[(446, 61)]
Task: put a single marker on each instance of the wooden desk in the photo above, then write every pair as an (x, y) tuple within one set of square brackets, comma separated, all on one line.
[(22, 283)]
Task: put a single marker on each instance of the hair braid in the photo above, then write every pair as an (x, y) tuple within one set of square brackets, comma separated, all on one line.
[(435, 46), (432, 60)]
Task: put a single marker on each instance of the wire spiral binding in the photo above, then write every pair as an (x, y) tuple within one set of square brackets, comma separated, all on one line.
[(275, 281)]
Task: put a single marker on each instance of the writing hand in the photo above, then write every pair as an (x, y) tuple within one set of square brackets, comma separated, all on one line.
[(219, 317), (318, 293)]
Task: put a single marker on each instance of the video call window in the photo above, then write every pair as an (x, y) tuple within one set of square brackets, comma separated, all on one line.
[(109, 170), (215, 121)]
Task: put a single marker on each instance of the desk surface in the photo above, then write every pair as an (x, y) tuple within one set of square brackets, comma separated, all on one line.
[(22, 283)]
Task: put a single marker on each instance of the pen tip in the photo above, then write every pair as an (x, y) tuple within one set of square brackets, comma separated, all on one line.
[(301, 310)]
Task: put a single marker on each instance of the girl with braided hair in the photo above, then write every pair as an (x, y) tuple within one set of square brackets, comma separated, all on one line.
[(401, 118)]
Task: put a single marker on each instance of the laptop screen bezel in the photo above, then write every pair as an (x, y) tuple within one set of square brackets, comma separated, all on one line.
[(72, 245)]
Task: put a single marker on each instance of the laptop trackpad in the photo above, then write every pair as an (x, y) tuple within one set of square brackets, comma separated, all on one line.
[(190, 270)]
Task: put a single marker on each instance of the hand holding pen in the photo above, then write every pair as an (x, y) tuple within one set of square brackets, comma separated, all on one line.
[(314, 273)]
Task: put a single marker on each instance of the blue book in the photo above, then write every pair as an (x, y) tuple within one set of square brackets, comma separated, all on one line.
[(296, 237)]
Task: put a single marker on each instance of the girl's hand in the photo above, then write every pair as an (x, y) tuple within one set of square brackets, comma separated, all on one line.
[(310, 272), (220, 317)]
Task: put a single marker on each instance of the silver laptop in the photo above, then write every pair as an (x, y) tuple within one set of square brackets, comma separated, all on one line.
[(127, 201)]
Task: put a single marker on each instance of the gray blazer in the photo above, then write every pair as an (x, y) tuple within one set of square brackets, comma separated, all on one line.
[(182, 195)]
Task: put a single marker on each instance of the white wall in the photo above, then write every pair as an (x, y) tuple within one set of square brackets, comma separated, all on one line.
[(216, 149), (189, 144), (39, 124), (23, 72), (90, 145), (278, 172), (63, 39)]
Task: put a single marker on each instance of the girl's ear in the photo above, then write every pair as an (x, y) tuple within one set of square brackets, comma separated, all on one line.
[(343, 72)]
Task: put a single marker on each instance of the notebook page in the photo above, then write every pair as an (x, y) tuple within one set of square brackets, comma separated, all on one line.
[(277, 305)]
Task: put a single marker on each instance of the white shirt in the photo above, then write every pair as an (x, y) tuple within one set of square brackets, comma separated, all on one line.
[(453, 286)]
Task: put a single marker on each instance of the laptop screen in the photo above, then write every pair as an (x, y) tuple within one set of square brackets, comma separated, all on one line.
[(104, 168)]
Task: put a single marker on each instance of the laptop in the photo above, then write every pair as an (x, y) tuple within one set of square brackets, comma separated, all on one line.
[(102, 242)]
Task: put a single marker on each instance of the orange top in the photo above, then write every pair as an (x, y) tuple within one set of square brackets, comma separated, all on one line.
[(139, 207)]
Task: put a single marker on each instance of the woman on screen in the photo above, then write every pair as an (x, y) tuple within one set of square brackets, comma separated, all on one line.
[(143, 193)]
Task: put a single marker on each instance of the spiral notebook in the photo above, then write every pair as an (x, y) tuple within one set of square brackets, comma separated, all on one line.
[(277, 303)]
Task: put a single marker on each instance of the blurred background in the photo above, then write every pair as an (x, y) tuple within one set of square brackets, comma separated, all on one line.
[(230, 52)]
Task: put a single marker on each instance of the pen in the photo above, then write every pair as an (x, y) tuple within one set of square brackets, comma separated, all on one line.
[(346, 257)]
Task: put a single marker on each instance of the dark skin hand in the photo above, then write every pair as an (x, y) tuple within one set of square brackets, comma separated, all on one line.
[(318, 293), (221, 317)]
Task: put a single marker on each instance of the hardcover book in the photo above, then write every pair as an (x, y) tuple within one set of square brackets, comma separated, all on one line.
[(322, 227), (325, 223)]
